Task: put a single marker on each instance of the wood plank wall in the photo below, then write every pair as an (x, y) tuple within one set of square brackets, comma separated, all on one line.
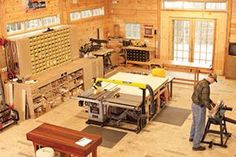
[(15, 11), (144, 12), (233, 22), (87, 28)]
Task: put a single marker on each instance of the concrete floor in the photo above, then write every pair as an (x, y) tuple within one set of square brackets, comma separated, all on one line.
[(156, 140)]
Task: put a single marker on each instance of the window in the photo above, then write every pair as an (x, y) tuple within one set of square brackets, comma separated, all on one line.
[(133, 31), (181, 40), (216, 6), (48, 21), (86, 13), (32, 24), (203, 42), (98, 11), (75, 16), (193, 5), (17, 27), (188, 5)]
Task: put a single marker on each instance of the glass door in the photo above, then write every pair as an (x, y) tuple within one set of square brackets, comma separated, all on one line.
[(193, 40), (181, 40), (204, 41)]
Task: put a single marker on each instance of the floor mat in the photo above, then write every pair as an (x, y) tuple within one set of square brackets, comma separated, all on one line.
[(173, 115), (109, 137)]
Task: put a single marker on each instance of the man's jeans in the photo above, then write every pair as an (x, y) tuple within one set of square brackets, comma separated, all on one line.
[(198, 125)]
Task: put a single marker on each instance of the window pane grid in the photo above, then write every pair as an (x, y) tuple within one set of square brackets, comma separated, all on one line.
[(192, 5), (17, 27), (202, 42), (132, 31), (203, 45), (181, 40), (87, 13)]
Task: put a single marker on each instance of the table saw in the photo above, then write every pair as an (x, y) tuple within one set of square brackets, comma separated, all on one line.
[(125, 100)]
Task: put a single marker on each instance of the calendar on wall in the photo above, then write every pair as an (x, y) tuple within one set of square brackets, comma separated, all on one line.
[(35, 4)]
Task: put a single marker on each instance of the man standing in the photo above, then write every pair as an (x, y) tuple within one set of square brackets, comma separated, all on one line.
[(201, 101)]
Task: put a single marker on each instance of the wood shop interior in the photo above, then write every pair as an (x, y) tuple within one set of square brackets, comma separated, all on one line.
[(117, 78)]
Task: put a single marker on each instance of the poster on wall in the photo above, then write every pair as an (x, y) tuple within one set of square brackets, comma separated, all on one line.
[(35, 4)]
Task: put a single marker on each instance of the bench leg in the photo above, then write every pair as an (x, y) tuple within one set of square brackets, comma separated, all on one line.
[(94, 153)]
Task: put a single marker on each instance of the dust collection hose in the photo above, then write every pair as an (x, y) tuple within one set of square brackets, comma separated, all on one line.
[(152, 104)]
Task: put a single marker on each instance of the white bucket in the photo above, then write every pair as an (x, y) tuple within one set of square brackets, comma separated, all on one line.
[(45, 152)]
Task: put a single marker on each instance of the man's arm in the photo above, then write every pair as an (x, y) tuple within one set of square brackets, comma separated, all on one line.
[(206, 97)]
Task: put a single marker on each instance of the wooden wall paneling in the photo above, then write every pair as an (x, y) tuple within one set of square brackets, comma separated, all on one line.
[(2, 35), (64, 17), (20, 13), (134, 11), (233, 22), (1, 18), (87, 28), (230, 72)]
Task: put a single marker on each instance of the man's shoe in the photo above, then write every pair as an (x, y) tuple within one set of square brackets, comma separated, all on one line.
[(190, 140), (200, 148)]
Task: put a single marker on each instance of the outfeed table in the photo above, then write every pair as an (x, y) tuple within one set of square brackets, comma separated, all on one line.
[(158, 84), (63, 140), (189, 67)]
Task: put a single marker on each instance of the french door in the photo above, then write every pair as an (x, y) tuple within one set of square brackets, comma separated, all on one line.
[(193, 40)]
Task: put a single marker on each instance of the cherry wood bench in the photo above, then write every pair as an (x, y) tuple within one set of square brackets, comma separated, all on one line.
[(63, 140)]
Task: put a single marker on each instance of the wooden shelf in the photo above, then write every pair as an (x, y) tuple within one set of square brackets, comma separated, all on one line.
[(47, 91)]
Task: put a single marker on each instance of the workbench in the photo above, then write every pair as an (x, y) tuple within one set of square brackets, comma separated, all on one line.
[(45, 90), (63, 140), (106, 54), (189, 67)]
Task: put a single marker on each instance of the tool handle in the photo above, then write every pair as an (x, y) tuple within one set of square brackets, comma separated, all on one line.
[(230, 120), (227, 108)]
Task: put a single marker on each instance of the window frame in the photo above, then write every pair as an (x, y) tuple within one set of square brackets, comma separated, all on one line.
[(194, 9), (192, 37), (88, 13), (28, 29), (132, 33)]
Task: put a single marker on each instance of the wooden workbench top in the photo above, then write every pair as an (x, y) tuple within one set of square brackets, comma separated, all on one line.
[(172, 63), (102, 52), (139, 48), (55, 73)]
